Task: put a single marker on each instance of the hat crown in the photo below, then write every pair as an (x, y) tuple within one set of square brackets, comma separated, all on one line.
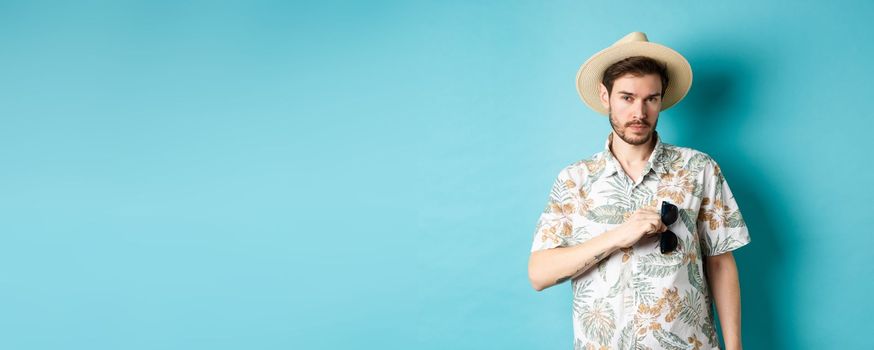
[(632, 37)]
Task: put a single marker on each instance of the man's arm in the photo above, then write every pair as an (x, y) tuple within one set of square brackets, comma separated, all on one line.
[(725, 287), (549, 267)]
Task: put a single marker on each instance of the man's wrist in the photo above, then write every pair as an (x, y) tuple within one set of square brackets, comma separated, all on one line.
[(733, 344), (616, 238)]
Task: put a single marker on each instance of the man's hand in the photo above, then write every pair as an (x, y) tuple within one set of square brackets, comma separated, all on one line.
[(645, 222)]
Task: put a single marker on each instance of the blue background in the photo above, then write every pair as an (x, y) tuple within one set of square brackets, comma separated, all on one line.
[(284, 175)]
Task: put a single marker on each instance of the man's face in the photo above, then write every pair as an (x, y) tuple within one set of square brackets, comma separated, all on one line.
[(634, 107)]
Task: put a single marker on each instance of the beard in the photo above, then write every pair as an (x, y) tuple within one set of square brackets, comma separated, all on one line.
[(630, 138)]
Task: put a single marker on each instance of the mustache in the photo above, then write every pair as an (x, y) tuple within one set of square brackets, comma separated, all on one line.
[(637, 123)]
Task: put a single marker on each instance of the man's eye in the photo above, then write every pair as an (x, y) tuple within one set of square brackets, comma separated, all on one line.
[(627, 98)]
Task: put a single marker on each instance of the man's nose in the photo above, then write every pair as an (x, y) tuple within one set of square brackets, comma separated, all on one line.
[(639, 112)]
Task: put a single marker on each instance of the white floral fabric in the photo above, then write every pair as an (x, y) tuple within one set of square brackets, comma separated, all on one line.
[(639, 298)]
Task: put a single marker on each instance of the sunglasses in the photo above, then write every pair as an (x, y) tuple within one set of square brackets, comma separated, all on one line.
[(668, 240)]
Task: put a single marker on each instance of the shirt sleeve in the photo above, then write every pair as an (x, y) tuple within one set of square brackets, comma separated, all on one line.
[(720, 223), (555, 225)]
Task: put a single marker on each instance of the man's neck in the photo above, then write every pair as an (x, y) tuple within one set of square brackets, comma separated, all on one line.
[(628, 154)]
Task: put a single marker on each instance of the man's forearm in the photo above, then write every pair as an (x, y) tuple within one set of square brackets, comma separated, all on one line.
[(549, 267), (725, 287)]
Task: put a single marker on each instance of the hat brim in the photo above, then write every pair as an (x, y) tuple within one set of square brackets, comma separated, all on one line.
[(592, 72)]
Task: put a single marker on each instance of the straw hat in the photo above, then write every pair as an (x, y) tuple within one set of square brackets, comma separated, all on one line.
[(634, 44)]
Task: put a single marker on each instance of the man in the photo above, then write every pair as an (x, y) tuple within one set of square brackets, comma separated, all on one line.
[(643, 229)]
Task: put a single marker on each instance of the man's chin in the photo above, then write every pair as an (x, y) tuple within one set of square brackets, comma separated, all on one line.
[(637, 140)]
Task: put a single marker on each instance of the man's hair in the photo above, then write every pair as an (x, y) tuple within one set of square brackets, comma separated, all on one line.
[(637, 66)]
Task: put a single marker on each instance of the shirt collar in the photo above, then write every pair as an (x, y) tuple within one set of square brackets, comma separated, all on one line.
[(654, 163)]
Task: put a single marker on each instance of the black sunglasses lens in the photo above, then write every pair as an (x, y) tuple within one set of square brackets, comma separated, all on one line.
[(669, 213), (668, 242)]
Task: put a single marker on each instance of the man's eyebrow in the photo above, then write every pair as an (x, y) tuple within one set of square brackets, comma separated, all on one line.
[(657, 94)]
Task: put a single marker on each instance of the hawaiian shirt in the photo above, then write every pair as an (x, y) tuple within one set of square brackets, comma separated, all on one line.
[(640, 298)]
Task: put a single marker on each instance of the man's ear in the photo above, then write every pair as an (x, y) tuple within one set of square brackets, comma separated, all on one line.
[(605, 96)]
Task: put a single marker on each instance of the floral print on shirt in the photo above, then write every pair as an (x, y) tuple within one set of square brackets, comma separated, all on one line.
[(639, 298)]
